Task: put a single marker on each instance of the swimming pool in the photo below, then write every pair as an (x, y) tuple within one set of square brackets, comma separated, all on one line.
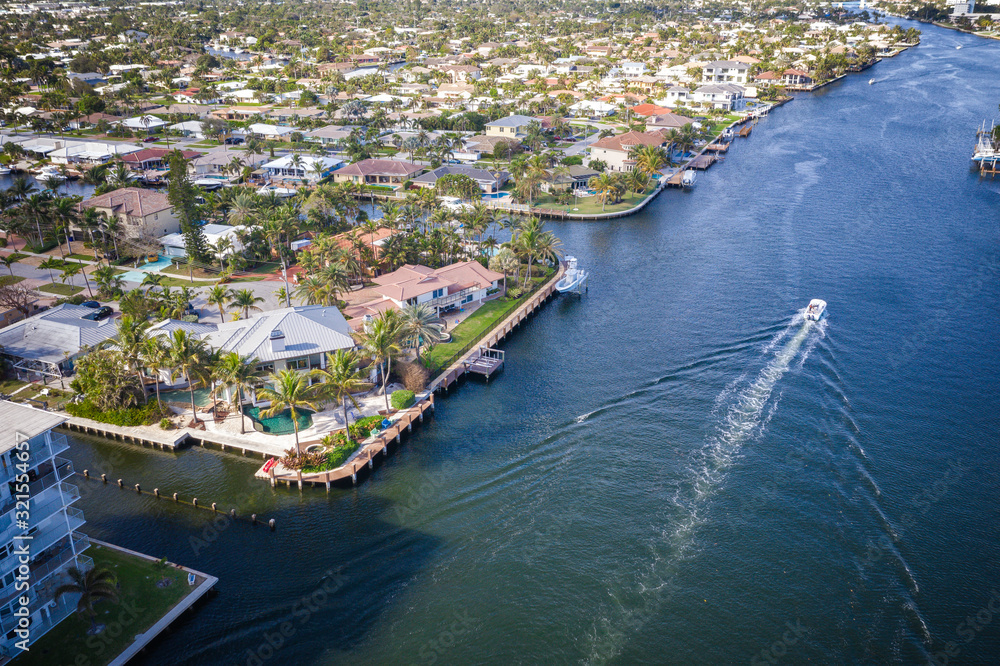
[(182, 397), (281, 424), (153, 267), (498, 195)]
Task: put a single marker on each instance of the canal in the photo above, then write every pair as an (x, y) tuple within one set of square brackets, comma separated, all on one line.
[(674, 468)]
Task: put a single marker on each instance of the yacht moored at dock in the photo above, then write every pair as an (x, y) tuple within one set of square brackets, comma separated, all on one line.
[(815, 310)]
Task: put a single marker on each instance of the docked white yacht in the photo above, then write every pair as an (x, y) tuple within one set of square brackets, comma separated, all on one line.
[(574, 279), (816, 309)]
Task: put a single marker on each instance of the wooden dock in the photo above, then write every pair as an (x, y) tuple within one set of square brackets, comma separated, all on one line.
[(702, 162), (166, 440), (486, 363), (718, 147), (745, 131), (453, 373), (366, 454)]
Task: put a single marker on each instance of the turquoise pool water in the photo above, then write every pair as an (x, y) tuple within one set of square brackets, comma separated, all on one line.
[(183, 397), (152, 267), (280, 424)]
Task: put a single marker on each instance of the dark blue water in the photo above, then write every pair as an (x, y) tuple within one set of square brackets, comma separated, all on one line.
[(675, 468)]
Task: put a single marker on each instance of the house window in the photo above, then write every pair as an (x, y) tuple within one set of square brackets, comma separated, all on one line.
[(438, 293), (298, 363)]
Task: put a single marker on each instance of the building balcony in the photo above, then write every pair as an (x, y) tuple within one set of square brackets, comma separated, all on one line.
[(51, 473), (41, 507), (51, 534), (451, 299)]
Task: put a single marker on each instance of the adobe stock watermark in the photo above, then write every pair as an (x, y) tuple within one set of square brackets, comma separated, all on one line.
[(922, 502), (99, 643), (968, 629), (929, 329), (456, 628), (301, 612), (774, 652)]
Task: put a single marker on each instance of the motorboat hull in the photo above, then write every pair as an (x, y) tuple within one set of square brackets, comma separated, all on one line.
[(816, 309)]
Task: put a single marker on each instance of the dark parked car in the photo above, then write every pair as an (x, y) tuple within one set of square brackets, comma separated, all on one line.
[(100, 313), (151, 139), (90, 304)]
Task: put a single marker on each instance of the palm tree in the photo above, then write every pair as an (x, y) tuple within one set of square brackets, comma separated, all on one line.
[(92, 586), (186, 355), (381, 340), (220, 296), (153, 354), (9, 261), (420, 321), (340, 380), (51, 264), (246, 300), (289, 390), (239, 374)]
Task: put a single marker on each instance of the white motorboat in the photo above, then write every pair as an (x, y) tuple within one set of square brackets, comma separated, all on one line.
[(871, 82), (688, 178), (816, 309), (574, 279), (51, 173), (958, 47), (4, 170)]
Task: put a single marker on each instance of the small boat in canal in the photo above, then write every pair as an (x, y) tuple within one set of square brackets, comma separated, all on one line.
[(871, 82), (574, 279), (816, 309)]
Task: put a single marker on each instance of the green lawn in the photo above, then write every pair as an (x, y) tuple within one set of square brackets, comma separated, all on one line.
[(60, 289), (9, 279), (142, 602), (477, 326), (83, 257), (591, 205)]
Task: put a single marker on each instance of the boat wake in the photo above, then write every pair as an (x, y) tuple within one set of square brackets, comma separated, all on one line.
[(744, 411)]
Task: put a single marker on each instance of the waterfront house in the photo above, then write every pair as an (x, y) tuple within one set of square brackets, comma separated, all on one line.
[(726, 96), (616, 150), (296, 338), (219, 159), (390, 173), (46, 345), (573, 177), (154, 158), (306, 167), (667, 121), (796, 77), (488, 181), (443, 289), (142, 212), (55, 546)]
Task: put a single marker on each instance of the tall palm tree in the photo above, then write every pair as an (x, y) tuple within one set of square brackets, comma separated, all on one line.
[(92, 586), (238, 373), (421, 322), (153, 355), (381, 340), (289, 390), (220, 296), (340, 380), (186, 355), (246, 300), (9, 260)]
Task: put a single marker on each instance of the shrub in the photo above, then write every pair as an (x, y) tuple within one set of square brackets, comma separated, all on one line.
[(125, 418), (190, 318), (514, 292), (165, 423), (413, 375), (401, 399), (361, 428)]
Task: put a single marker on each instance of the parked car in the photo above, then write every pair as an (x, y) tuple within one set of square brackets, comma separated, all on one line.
[(151, 139), (90, 304), (98, 314)]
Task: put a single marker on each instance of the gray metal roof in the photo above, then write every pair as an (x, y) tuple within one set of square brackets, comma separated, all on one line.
[(24, 420), (510, 121), (55, 334), (307, 329)]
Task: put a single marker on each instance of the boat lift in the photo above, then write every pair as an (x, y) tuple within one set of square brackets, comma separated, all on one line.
[(575, 279)]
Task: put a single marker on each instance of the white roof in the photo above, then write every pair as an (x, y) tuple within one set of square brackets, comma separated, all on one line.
[(264, 128), (308, 162), (55, 334), (143, 122), (28, 421)]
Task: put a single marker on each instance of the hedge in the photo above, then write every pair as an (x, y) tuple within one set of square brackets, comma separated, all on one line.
[(126, 418), (401, 399)]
